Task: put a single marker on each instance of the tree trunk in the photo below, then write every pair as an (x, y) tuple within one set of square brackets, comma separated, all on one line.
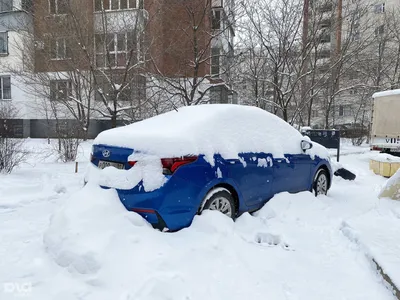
[(114, 121)]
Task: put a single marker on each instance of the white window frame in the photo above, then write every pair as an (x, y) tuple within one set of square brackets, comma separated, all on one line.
[(56, 9), (5, 36), (2, 87), (57, 82), (115, 52), (219, 20), (215, 62), (345, 110), (138, 4), (60, 50)]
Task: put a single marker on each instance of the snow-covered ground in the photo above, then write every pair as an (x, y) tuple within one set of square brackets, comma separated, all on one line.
[(61, 241)]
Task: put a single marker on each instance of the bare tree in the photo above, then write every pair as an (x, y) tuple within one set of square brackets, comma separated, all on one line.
[(186, 71), (90, 64)]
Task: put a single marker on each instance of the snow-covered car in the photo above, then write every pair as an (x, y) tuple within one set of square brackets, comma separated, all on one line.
[(229, 158)]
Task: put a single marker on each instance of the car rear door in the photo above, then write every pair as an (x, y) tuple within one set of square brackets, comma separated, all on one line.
[(253, 174)]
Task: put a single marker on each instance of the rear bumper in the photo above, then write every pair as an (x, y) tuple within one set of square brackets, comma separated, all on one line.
[(153, 217), (171, 207)]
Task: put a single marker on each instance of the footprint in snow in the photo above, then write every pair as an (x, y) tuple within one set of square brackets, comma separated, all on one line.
[(268, 239)]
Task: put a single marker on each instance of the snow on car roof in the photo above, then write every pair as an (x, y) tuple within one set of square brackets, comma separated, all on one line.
[(227, 129), (386, 93)]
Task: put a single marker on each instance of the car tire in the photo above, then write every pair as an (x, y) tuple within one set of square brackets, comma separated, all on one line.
[(221, 200), (321, 183)]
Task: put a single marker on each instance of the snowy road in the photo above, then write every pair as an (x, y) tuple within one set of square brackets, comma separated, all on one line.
[(296, 247)]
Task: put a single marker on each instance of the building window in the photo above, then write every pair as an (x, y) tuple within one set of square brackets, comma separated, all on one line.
[(5, 87), (380, 8), (6, 5), (215, 62), (115, 49), (324, 53), (216, 19), (59, 7), (314, 113), (326, 38), (59, 49), (60, 90), (325, 24), (326, 7), (344, 111), (380, 30), (3, 42), (100, 5)]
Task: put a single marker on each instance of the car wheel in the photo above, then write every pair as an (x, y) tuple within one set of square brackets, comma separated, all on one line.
[(321, 183), (220, 200)]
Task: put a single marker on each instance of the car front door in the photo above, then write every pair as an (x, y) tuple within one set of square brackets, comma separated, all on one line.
[(253, 173), (284, 175)]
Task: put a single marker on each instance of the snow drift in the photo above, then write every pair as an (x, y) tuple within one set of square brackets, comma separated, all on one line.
[(286, 250), (392, 187)]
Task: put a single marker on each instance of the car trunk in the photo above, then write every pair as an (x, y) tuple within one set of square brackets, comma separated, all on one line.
[(105, 156)]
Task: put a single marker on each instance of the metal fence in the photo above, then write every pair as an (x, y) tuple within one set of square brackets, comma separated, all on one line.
[(42, 128)]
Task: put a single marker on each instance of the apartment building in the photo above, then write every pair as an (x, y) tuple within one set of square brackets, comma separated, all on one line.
[(134, 38), (86, 53), (15, 22), (362, 23)]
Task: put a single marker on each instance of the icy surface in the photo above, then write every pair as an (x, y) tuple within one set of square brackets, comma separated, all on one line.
[(75, 243), (208, 129)]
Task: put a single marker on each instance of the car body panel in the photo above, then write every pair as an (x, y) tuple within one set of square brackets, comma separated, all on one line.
[(254, 177)]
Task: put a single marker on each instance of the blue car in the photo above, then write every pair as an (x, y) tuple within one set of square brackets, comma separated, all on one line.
[(223, 157)]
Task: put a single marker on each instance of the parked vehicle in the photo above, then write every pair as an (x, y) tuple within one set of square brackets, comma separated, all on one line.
[(223, 157), (385, 129)]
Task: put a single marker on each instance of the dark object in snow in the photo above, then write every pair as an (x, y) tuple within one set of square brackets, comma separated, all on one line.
[(345, 174)]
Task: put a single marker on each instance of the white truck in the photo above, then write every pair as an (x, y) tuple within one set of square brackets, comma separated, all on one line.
[(385, 129)]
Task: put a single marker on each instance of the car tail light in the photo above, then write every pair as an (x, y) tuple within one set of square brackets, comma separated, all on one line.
[(170, 165), (131, 163)]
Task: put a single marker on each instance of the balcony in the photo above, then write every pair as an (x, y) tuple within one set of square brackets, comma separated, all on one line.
[(119, 20)]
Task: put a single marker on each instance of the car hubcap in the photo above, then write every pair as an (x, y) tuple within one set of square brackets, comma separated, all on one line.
[(222, 205), (322, 185)]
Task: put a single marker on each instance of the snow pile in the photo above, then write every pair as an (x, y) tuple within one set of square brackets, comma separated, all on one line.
[(383, 157), (147, 170), (82, 231), (392, 187), (226, 129), (289, 249)]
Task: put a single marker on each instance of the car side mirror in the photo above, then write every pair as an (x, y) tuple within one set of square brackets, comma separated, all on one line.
[(305, 145)]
